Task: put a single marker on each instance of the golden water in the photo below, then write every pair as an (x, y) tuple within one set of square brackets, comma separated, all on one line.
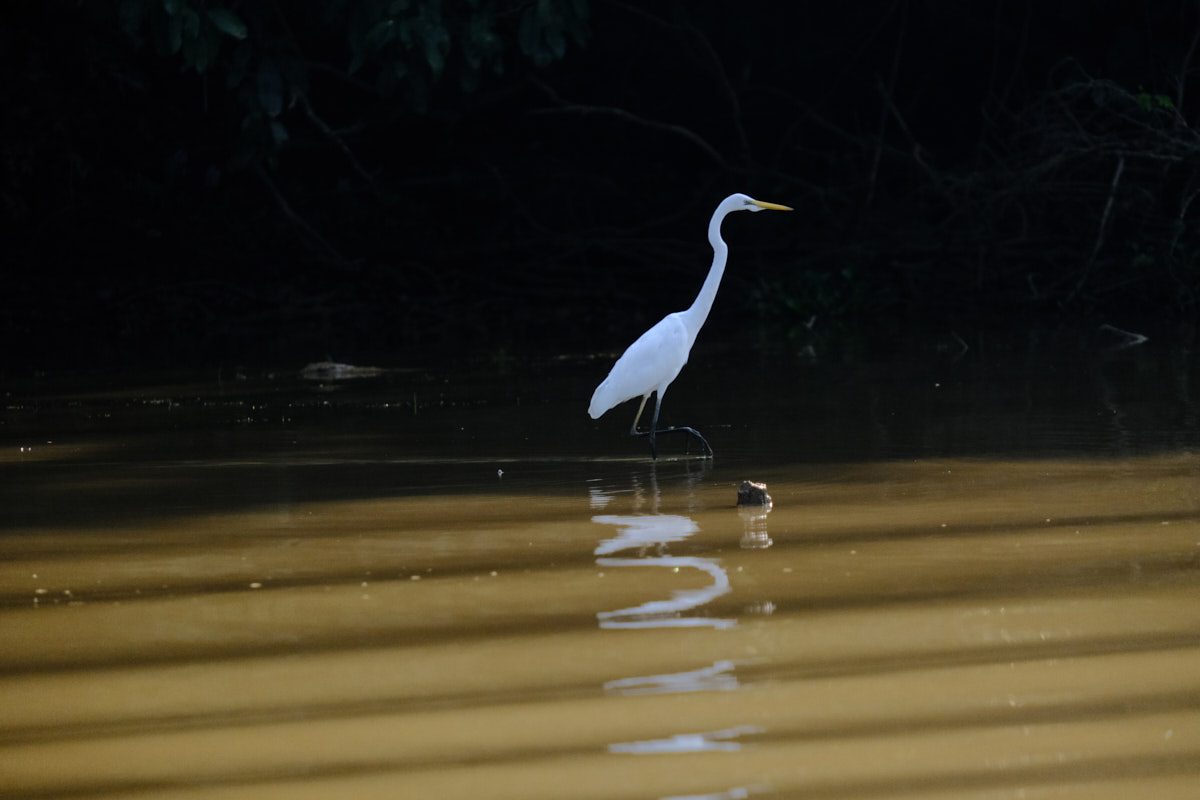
[(226, 592)]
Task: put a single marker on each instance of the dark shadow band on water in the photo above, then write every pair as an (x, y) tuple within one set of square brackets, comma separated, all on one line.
[(1067, 710), (104, 458), (966, 779)]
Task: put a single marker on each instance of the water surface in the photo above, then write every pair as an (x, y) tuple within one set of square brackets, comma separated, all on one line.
[(979, 579)]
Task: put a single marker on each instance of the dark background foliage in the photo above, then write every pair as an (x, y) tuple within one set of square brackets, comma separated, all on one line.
[(201, 181)]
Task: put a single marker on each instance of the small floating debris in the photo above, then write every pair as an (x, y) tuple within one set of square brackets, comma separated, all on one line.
[(754, 504), (334, 371), (763, 608), (1124, 338), (753, 494)]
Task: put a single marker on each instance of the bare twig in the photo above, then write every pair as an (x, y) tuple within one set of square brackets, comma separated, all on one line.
[(714, 62), (629, 116), (963, 347), (1184, 69), (1104, 217), (916, 146), (1019, 57), (731, 97), (295, 219), (338, 141), (1131, 339), (883, 112)]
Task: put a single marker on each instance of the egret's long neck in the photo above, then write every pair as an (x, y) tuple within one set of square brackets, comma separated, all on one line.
[(695, 316)]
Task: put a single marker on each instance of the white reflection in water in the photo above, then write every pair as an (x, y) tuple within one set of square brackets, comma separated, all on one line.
[(754, 528), (736, 793), (598, 498), (718, 677), (663, 613), (641, 532), (688, 742)]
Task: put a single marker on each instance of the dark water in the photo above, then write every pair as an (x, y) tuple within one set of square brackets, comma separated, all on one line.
[(980, 578)]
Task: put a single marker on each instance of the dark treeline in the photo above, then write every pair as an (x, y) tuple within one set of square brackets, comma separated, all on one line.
[(192, 181)]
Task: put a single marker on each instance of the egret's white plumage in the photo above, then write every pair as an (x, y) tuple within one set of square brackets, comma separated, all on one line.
[(650, 364), (647, 366)]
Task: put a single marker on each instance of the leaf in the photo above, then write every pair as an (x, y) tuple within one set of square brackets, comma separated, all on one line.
[(468, 80), (191, 23), (576, 24), (239, 62), (556, 41), (435, 39), (228, 22), (278, 132), (295, 76), (270, 88), (527, 33), (418, 94), (471, 53), (174, 34), (131, 14), (386, 83), (380, 35), (189, 53), (356, 36), (199, 52)]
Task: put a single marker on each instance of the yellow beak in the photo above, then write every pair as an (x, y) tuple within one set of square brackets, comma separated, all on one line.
[(771, 206)]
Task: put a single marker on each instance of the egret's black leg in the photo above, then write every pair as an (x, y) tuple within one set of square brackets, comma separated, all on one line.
[(692, 432), (653, 424), (654, 430)]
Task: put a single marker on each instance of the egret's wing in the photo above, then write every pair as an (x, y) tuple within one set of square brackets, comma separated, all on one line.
[(648, 364)]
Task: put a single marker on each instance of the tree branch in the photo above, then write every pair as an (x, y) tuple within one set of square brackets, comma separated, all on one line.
[(1184, 69), (883, 112), (296, 220), (628, 116), (1108, 205), (330, 134)]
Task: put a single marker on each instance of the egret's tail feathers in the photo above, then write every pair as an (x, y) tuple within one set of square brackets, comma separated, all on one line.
[(606, 396), (602, 400)]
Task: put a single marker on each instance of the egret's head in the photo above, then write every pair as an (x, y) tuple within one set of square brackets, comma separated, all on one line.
[(744, 203)]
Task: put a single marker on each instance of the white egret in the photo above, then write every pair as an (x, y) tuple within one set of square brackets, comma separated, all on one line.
[(650, 364)]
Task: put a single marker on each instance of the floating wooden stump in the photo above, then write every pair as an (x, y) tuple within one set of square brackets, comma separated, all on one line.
[(753, 494)]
